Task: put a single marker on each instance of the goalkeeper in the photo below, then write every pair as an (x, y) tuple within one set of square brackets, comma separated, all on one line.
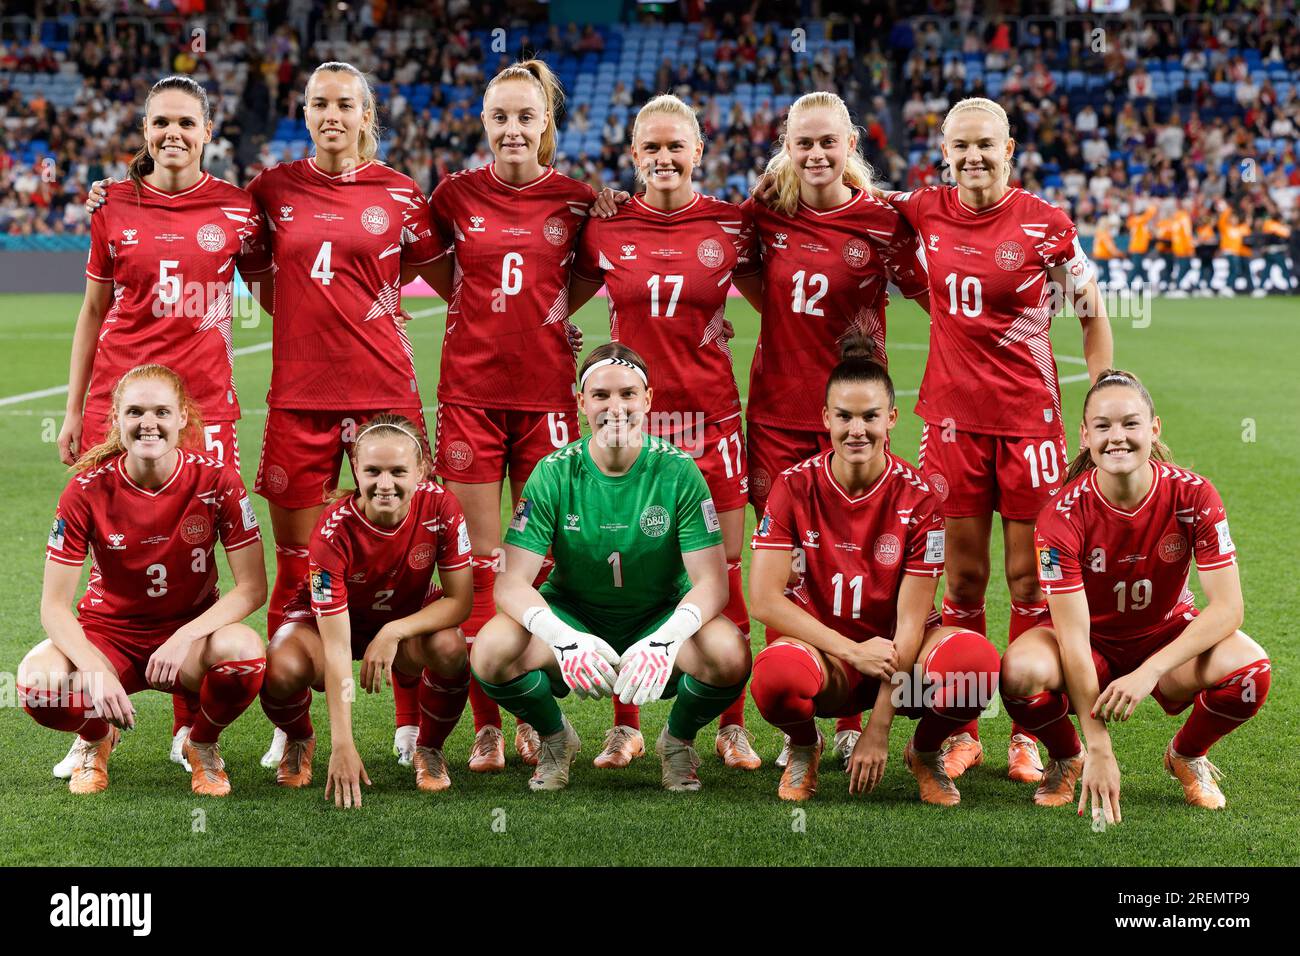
[(633, 606)]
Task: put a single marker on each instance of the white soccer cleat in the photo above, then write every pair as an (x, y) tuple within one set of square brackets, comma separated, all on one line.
[(554, 758), (271, 759), (783, 757), (845, 741), (680, 761), (178, 749), (404, 744)]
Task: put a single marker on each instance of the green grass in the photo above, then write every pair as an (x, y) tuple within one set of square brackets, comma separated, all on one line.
[(1213, 368)]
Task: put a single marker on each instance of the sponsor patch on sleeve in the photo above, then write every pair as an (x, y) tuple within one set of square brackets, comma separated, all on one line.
[(321, 592), (462, 538), (765, 526), (934, 547), (522, 510), (1049, 564), (56, 534), (710, 513), (250, 516), (1225, 539)]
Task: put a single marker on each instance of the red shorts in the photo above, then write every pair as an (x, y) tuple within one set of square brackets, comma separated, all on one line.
[(295, 612), (772, 450), (218, 440), (301, 452), (128, 651), (719, 450), (477, 445), (1114, 662), (975, 474)]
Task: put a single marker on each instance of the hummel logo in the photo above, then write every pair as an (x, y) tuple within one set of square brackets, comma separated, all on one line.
[(128, 237), (781, 237), (476, 224), (115, 542), (629, 251), (934, 243), (286, 214), (810, 539)]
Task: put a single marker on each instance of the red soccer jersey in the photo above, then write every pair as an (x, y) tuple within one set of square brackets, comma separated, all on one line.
[(855, 551), (507, 342), (388, 572), (171, 260), (1133, 565), (667, 275), (991, 369), (152, 564), (338, 244), (825, 275)]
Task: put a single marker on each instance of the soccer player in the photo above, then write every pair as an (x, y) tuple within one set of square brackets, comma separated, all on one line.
[(1114, 551), (158, 289), (1001, 263), (668, 259), (505, 387), (150, 514), (633, 606), (1138, 224), (870, 538), (371, 597), (829, 249)]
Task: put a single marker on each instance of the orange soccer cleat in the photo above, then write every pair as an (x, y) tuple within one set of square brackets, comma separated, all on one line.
[(488, 754), (623, 744), (1057, 786), (90, 766), (295, 765), (208, 774), (431, 774), (527, 744), (1023, 763), (928, 768), (1199, 778), (736, 749), (961, 752), (799, 779)]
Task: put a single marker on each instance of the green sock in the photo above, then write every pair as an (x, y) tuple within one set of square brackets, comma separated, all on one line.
[(529, 698), (698, 704)]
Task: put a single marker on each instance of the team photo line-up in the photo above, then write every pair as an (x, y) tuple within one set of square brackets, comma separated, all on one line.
[(619, 573)]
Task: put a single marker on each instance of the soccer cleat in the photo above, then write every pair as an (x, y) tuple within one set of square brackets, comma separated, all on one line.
[(799, 781), (783, 757), (208, 778), (1199, 778), (527, 744), (680, 761), (63, 769), (178, 748), (554, 758), (294, 769), (404, 744), (845, 741), (1023, 763), (623, 744), (961, 752), (737, 751), (275, 752), (488, 755), (430, 770), (928, 768), (1057, 787), (90, 773)]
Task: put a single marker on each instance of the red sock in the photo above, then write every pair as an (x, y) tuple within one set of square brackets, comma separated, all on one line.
[(964, 668), (442, 701), (65, 710), (292, 715), (1023, 617), (738, 614), (968, 615), (1048, 716), (853, 722), (785, 683), (486, 711), (406, 699), (1221, 709), (290, 572), (626, 715), (227, 690), (184, 710)]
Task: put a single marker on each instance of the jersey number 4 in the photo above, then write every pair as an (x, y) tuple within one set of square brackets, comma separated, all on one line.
[(320, 269)]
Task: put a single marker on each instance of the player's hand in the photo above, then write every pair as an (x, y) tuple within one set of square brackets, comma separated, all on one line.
[(607, 202), (728, 330), (403, 320), (876, 658), (647, 664), (345, 775), (70, 439), (108, 698), (587, 664), (163, 672), (1100, 785), (98, 195), (575, 338), (377, 662), (765, 190), (1121, 698), (866, 765)]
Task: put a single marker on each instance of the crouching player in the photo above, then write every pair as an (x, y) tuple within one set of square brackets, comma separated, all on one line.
[(1114, 551), (371, 596), (150, 513), (865, 532), (634, 605)]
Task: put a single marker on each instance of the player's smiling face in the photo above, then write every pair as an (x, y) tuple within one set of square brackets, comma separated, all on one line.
[(977, 149), (387, 469), (666, 152), (335, 111), (175, 129), (819, 146), (859, 418), (616, 402), (514, 116), (1118, 430), (150, 419)]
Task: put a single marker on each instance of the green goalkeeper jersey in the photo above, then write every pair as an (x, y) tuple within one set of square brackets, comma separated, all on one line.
[(617, 542)]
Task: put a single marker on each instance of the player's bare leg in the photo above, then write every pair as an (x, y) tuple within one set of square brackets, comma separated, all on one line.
[(1028, 610), (1033, 688), (46, 674), (295, 663), (441, 664)]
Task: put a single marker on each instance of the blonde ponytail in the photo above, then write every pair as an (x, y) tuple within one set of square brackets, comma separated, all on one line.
[(536, 71), (368, 138)]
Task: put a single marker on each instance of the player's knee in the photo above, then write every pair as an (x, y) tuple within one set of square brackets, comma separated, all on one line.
[(967, 582), (36, 667), (965, 668), (783, 677), (491, 655), (235, 642), (287, 673), (1242, 693), (1023, 672), (1023, 586), (445, 652)]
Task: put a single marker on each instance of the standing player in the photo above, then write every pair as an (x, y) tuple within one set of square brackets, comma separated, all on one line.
[(1001, 262), (1114, 552), (150, 515), (372, 597), (829, 250), (871, 540), (668, 259), (505, 387), (158, 289), (639, 583)]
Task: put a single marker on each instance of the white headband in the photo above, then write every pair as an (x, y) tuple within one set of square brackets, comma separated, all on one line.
[(419, 448), (612, 361)]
